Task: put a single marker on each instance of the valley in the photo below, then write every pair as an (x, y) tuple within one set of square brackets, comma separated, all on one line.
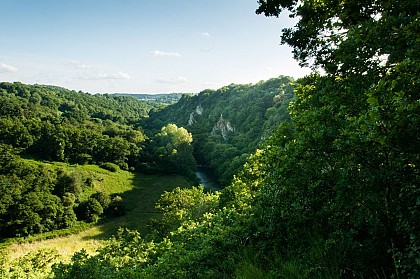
[(86, 149), (316, 177)]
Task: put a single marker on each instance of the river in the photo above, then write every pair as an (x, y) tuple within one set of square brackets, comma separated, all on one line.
[(207, 179)]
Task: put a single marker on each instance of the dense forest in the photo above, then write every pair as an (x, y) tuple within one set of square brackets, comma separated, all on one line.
[(53, 123), (227, 124), (329, 189)]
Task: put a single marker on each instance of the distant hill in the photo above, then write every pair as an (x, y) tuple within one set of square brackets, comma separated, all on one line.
[(164, 98), (56, 124), (32, 101), (227, 124)]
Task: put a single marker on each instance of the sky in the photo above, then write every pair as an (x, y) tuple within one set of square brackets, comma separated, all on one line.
[(141, 46)]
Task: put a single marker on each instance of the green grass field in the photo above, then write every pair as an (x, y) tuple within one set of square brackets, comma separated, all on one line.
[(139, 191)]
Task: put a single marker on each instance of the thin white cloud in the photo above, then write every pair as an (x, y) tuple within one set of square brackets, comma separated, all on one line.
[(4, 68), (172, 80), (164, 53), (205, 34), (123, 75), (106, 76)]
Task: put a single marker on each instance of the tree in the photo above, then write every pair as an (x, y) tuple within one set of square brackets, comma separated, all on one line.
[(175, 150), (36, 212), (349, 37), (68, 183), (103, 198), (347, 176), (115, 150), (181, 205), (89, 210)]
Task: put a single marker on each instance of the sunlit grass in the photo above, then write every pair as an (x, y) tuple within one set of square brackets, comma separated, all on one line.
[(139, 191)]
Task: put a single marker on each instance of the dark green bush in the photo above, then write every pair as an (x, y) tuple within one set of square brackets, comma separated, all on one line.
[(116, 208), (89, 210)]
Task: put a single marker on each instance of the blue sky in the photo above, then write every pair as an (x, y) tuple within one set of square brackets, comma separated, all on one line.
[(153, 46)]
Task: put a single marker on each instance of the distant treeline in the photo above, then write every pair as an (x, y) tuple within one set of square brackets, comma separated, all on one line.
[(165, 98)]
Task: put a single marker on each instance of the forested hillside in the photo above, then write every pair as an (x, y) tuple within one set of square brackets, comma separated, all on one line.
[(52, 124), (228, 124), (60, 125)]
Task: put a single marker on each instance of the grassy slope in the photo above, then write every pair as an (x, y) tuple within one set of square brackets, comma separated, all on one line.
[(140, 193)]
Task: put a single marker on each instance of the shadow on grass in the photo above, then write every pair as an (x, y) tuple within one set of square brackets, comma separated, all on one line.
[(140, 202)]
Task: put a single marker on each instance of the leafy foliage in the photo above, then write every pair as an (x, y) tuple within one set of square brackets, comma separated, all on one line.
[(30, 266), (346, 171), (171, 151), (34, 199)]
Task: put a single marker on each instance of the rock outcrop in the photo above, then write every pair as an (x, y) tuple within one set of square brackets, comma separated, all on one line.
[(224, 127)]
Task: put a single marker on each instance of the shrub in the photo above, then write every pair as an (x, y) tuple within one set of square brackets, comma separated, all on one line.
[(116, 208), (110, 166), (68, 199), (103, 198), (68, 183), (89, 210)]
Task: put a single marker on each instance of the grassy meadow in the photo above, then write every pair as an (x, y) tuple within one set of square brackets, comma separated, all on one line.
[(140, 192)]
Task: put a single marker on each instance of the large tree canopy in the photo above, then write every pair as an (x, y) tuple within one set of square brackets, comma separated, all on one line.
[(345, 175), (349, 36)]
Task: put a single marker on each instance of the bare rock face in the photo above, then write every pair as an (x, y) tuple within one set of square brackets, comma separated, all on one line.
[(223, 126), (192, 120), (198, 111)]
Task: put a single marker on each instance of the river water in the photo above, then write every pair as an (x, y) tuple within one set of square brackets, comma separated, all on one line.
[(207, 179)]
